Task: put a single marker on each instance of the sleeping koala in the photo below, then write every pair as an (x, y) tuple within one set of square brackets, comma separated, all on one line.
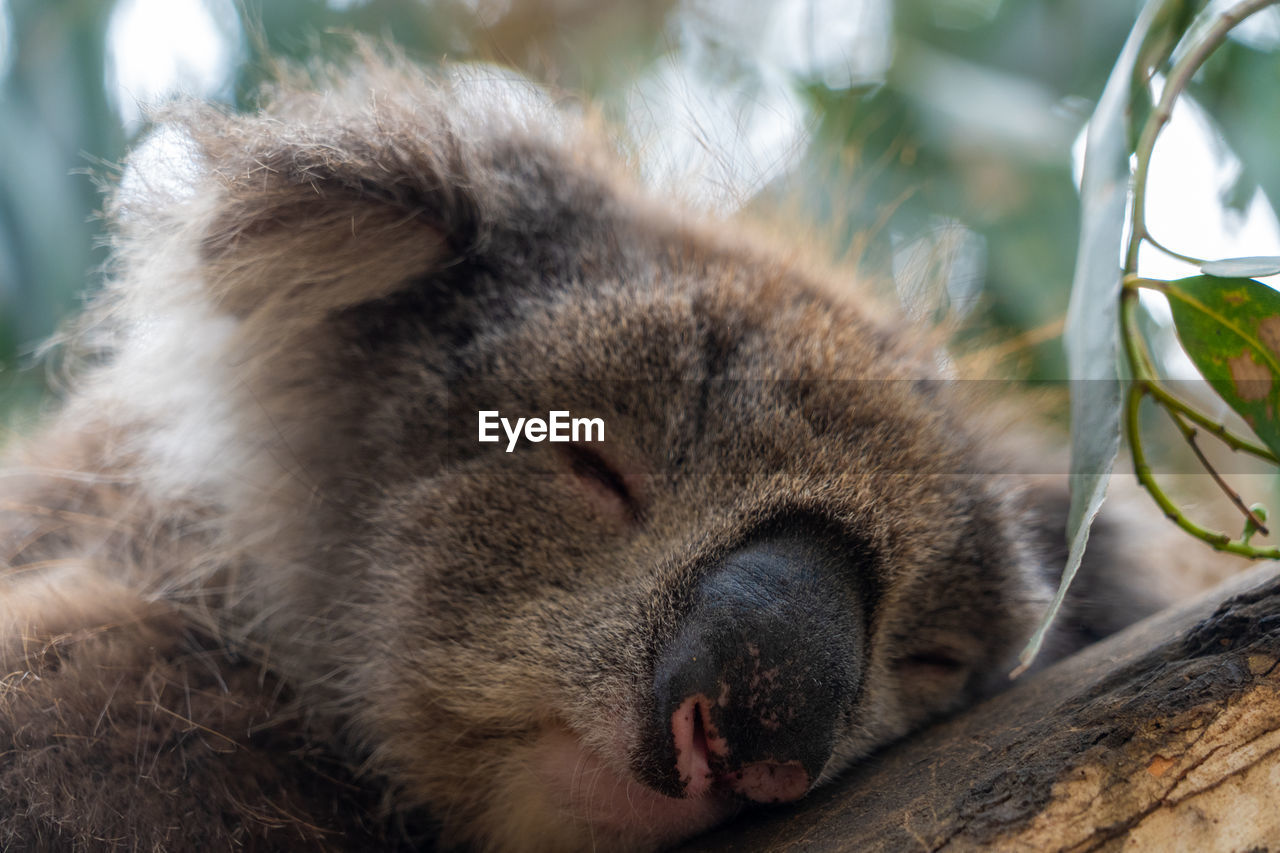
[(289, 570)]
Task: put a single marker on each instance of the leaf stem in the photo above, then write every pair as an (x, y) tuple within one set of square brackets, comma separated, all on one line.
[(1216, 429), (1219, 541), (1144, 234), (1189, 433)]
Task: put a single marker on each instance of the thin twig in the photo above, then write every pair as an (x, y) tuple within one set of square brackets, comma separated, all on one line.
[(1216, 429), (1146, 235), (1189, 433), (1142, 469)]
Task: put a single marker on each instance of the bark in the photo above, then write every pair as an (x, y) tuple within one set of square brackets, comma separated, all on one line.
[(1163, 737)]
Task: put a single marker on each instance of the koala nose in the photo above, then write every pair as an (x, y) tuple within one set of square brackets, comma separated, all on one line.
[(763, 671)]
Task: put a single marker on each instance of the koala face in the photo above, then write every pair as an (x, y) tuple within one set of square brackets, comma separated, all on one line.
[(767, 569), (784, 547), (784, 553)]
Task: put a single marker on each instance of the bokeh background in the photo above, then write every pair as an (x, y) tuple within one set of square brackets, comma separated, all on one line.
[(932, 143)]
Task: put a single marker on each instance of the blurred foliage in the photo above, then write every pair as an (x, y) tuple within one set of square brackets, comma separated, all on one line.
[(54, 120), (1240, 83), (960, 148)]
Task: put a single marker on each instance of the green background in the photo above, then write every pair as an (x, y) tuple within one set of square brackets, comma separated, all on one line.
[(962, 149)]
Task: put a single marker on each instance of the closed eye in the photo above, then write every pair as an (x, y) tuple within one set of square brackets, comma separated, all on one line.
[(602, 478), (935, 660)]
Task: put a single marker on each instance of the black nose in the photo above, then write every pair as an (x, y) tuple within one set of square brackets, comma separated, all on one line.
[(752, 689)]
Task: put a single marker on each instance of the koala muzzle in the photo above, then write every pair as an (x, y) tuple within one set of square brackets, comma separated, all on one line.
[(764, 671)]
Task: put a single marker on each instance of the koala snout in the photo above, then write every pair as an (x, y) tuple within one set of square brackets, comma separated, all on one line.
[(761, 678)]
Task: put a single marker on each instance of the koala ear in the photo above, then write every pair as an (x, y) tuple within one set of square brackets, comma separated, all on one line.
[(384, 183), (309, 216)]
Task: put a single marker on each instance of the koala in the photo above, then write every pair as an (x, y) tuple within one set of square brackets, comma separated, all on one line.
[(266, 585)]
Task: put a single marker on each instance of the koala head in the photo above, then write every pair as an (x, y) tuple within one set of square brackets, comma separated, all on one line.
[(789, 548)]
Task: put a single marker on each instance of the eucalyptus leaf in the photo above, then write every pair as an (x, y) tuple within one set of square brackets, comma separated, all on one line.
[(1092, 334), (1230, 327), (1251, 267)]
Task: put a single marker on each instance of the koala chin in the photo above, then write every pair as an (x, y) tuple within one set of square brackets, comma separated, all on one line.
[(264, 588)]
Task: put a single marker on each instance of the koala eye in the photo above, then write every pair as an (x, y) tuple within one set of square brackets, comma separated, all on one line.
[(935, 660), (602, 478)]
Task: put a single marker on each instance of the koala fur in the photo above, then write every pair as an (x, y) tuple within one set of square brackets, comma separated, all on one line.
[(263, 588)]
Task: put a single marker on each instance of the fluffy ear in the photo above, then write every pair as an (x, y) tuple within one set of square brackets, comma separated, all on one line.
[(313, 216), (458, 191)]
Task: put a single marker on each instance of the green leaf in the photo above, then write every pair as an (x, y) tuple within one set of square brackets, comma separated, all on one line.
[(1230, 327), (1092, 335), (1251, 267)]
